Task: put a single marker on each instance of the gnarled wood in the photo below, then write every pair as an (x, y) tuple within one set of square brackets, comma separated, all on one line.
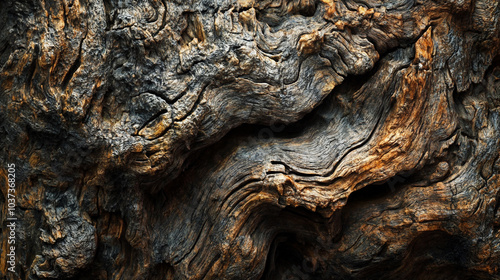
[(243, 139)]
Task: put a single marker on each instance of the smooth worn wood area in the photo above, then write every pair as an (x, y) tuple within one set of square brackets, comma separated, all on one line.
[(246, 139)]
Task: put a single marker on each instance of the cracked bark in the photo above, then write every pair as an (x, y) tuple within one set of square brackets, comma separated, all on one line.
[(251, 139)]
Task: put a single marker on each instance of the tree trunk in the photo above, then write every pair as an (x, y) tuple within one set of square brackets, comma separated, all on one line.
[(245, 139)]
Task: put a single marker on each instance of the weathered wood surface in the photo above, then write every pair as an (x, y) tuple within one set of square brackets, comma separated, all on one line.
[(246, 139)]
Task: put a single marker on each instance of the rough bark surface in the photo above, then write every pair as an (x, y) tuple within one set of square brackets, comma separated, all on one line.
[(244, 139)]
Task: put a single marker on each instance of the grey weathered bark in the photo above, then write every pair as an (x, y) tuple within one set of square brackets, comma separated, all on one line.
[(242, 139)]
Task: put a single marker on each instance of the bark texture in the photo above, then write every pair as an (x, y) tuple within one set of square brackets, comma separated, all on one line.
[(245, 139)]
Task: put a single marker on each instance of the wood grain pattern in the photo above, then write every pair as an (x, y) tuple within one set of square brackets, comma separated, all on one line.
[(243, 139)]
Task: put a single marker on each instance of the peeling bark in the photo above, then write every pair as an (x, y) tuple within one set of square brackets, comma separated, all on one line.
[(242, 139)]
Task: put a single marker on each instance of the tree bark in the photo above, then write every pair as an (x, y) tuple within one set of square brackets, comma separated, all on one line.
[(244, 139)]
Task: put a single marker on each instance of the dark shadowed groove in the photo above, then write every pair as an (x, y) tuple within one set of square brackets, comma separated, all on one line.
[(75, 66), (32, 67), (151, 119)]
